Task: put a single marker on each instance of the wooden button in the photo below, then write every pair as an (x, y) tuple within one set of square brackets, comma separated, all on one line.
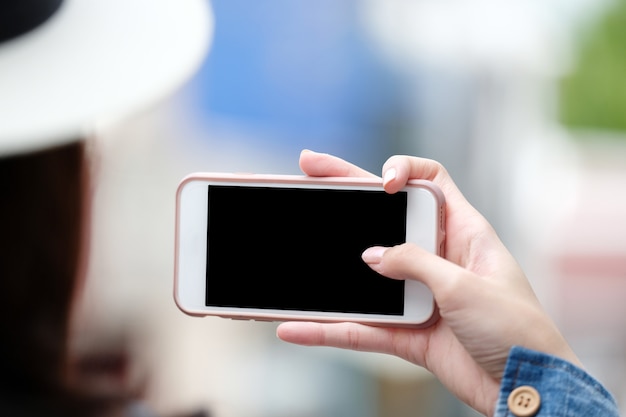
[(524, 401)]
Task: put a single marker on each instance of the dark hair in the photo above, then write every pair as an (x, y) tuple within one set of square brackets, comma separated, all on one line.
[(43, 201)]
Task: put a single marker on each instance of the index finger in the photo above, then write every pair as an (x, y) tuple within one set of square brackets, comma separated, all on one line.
[(317, 164), (399, 169)]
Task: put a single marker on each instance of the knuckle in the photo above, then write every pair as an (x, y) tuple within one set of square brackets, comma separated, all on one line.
[(353, 338)]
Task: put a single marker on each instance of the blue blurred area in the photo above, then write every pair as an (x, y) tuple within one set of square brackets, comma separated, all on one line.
[(301, 75)]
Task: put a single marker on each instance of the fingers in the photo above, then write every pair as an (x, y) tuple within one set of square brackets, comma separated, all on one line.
[(396, 171), (324, 165), (399, 169), (352, 336), (342, 335)]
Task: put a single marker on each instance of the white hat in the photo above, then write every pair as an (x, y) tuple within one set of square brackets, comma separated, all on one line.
[(91, 62)]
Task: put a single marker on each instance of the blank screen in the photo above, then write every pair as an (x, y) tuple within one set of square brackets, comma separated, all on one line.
[(300, 249)]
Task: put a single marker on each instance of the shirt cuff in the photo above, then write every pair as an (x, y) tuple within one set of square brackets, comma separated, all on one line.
[(542, 385)]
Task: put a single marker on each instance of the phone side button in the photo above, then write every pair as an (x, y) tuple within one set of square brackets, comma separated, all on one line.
[(233, 318)]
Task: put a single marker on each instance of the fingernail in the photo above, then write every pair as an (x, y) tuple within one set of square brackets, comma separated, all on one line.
[(389, 176), (373, 255)]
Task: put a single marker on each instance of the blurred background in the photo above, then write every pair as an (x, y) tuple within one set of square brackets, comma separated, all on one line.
[(523, 101)]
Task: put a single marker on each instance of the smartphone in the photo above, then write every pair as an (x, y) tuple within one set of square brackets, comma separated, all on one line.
[(288, 247)]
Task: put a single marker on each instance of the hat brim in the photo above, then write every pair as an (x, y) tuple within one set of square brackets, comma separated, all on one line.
[(93, 62)]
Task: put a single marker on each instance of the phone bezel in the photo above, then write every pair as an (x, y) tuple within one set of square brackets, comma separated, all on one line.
[(425, 228)]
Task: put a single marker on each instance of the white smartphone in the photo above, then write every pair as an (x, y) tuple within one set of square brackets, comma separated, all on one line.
[(282, 247)]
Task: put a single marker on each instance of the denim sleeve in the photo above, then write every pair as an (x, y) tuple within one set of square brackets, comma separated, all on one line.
[(564, 389)]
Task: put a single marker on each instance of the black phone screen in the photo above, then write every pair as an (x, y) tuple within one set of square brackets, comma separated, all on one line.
[(300, 249)]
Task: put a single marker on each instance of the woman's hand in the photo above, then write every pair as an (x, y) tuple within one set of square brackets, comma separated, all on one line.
[(485, 301)]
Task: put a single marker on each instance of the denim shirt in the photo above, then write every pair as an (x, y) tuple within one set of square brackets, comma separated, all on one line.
[(564, 389)]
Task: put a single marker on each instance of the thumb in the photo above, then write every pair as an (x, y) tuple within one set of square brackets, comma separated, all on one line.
[(411, 262)]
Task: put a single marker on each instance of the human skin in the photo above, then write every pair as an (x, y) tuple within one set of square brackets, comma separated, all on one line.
[(485, 301)]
